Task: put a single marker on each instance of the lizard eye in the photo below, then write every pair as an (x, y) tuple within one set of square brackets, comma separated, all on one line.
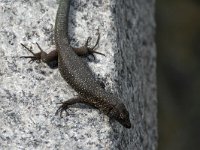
[(121, 116)]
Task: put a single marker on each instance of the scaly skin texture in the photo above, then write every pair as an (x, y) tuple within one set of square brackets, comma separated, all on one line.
[(77, 73)]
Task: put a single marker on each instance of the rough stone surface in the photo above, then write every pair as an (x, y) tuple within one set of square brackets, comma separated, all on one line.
[(29, 93)]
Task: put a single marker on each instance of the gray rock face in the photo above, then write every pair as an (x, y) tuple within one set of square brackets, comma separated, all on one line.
[(29, 93)]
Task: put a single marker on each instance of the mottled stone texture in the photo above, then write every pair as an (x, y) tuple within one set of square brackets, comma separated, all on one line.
[(136, 66), (29, 93)]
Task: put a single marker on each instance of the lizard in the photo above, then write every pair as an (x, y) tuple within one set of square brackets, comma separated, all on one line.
[(77, 73)]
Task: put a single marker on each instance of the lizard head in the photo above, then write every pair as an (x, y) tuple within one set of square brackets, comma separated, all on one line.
[(121, 114)]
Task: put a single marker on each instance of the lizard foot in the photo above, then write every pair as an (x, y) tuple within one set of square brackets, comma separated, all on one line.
[(92, 50), (37, 57), (86, 50), (62, 108), (65, 105)]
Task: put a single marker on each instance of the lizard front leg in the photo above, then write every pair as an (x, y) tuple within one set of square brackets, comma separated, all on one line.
[(65, 105)]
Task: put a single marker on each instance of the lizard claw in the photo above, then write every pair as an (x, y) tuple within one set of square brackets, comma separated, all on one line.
[(62, 108), (92, 50), (37, 57), (85, 50)]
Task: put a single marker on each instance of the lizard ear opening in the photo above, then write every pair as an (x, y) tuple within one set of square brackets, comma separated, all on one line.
[(112, 114)]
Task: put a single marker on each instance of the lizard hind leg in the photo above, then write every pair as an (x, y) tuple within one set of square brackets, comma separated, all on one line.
[(37, 57), (92, 50), (65, 105), (51, 58), (86, 50)]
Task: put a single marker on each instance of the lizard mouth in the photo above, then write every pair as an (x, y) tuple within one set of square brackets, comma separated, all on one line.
[(127, 124)]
